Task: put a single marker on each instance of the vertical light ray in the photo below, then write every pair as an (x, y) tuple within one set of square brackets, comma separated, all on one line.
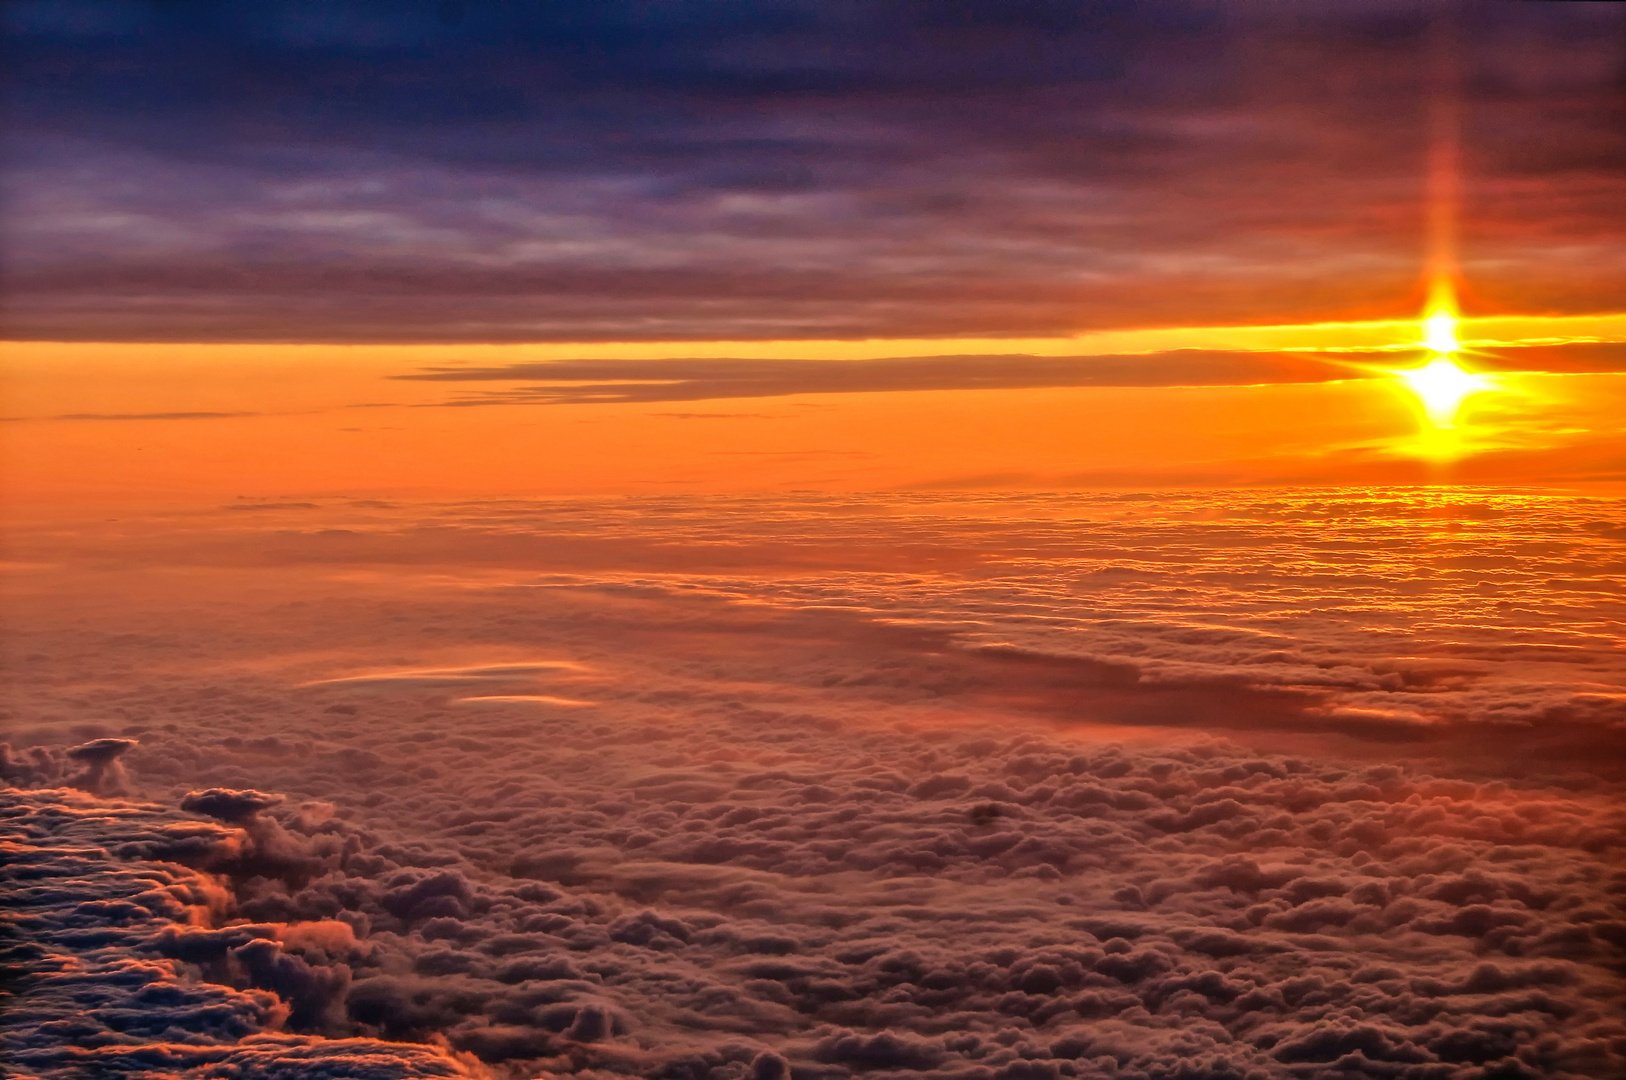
[(1443, 190), (1441, 385)]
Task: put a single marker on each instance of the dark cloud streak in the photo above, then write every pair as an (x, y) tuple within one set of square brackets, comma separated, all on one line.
[(699, 379), (579, 382)]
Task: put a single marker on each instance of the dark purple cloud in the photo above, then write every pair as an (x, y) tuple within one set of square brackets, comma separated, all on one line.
[(287, 171)]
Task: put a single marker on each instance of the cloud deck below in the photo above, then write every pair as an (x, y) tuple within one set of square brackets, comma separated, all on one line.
[(535, 803)]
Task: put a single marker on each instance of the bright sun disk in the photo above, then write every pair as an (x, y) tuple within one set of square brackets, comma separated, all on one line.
[(1442, 386)]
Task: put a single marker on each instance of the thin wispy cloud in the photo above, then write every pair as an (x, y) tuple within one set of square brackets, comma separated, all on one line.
[(138, 416)]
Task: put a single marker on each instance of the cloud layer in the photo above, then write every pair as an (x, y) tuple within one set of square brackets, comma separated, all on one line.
[(837, 788), (777, 169)]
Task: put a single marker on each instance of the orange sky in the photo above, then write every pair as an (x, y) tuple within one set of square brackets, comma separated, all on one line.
[(107, 423)]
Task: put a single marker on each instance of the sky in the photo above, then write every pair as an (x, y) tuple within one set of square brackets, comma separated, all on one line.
[(790, 540), (477, 172), (303, 227)]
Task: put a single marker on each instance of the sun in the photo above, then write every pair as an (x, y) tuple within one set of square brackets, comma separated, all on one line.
[(1441, 385)]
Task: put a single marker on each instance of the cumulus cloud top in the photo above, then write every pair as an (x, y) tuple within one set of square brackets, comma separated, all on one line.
[(228, 805)]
